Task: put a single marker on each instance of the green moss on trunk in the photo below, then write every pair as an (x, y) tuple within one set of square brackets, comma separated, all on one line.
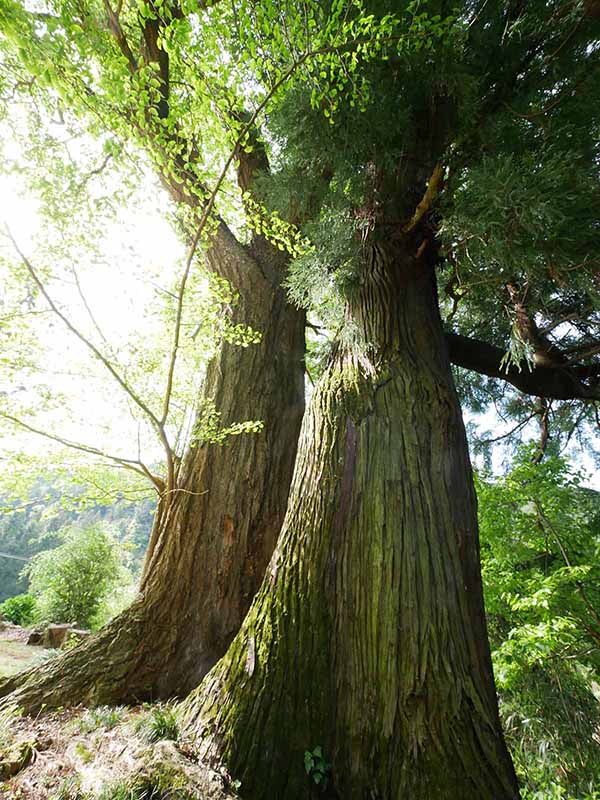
[(368, 636)]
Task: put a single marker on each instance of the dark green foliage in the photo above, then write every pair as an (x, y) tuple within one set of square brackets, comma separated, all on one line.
[(19, 609), (550, 719), (317, 767), (506, 98)]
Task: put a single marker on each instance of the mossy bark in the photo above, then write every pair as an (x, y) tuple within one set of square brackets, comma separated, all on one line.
[(368, 636), (214, 535)]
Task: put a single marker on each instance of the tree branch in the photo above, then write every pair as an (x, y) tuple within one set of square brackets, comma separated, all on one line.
[(557, 382), (82, 338), (158, 424), (128, 463), (115, 28)]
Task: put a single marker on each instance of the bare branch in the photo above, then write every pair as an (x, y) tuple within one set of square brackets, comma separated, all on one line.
[(90, 345), (86, 304), (135, 465)]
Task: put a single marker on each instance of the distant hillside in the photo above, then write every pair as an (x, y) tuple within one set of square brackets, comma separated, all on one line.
[(28, 529)]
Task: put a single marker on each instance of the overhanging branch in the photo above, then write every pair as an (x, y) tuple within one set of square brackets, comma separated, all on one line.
[(558, 382)]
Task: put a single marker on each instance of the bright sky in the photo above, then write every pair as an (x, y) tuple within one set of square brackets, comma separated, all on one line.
[(140, 255)]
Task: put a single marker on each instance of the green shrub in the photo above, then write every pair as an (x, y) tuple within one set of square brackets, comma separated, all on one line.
[(19, 609), (540, 547), (72, 581)]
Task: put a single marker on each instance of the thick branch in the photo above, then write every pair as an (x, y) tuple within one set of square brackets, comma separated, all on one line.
[(116, 30), (558, 382)]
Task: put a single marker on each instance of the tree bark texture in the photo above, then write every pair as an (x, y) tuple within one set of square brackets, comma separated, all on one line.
[(213, 539), (368, 637)]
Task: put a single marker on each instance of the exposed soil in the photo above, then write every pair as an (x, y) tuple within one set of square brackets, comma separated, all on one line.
[(82, 754)]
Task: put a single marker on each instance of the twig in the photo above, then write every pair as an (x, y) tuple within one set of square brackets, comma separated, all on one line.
[(90, 345), (127, 463)]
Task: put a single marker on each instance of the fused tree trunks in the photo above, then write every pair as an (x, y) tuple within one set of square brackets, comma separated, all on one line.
[(213, 538), (368, 636)]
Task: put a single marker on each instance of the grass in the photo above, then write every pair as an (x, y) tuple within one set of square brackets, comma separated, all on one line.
[(159, 722), (100, 717), (156, 788), (16, 656)]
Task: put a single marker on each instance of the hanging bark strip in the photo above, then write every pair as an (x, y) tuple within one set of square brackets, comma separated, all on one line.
[(368, 635)]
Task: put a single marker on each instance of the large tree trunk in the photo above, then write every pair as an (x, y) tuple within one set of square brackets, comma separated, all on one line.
[(368, 636), (212, 539)]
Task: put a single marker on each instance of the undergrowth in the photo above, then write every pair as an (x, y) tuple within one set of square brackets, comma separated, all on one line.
[(158, 723)]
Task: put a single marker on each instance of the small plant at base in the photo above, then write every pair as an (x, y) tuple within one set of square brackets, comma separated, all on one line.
[(69, 789), (159, 723), (84, 753), (317, 767), (100, 717), (145, 789)]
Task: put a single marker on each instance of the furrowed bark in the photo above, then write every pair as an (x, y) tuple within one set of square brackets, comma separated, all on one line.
[(213, 537), (368, 636)]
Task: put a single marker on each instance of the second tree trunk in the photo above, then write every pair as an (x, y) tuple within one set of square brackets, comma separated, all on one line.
[(213, 538)]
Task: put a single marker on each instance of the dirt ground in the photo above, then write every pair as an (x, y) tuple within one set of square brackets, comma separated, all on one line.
[(104, 753)]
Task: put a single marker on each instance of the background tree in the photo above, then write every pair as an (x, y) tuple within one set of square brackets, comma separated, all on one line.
[(235, 531), (37, 509), (539, 544), (72, 581)]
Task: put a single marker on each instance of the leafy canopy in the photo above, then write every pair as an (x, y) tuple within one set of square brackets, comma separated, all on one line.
[(540, 547)]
